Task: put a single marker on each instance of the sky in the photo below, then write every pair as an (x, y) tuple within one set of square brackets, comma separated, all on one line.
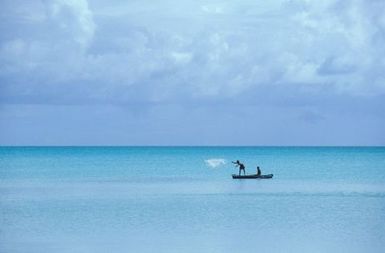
[(192, 72)]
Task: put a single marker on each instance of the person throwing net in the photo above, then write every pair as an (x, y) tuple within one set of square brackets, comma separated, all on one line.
[(241, 167)]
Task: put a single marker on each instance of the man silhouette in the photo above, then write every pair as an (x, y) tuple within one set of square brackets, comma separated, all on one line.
[(258, 171), (241, 167)]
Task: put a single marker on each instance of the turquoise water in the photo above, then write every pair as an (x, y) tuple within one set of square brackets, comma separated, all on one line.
[(182, 199)]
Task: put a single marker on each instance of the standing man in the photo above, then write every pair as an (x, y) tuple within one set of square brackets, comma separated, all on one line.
[(241, 167)]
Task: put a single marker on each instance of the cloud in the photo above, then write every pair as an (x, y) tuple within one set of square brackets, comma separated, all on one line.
[(337, 66), (119, 52), (72, 18)]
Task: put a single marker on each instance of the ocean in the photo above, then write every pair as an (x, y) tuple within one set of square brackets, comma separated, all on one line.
[(183, 199)]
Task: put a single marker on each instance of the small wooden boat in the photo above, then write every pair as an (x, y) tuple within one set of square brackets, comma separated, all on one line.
[(255, 176)]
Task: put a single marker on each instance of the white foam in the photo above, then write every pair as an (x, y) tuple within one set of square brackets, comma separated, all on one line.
[(215, 162)]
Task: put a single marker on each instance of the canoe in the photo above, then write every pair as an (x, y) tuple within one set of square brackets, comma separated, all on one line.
[(255, 176)]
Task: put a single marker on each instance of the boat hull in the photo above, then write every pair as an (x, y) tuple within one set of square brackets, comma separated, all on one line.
[(253, 176)]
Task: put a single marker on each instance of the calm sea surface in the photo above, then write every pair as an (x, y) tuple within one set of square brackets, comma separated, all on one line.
[(183, 199)]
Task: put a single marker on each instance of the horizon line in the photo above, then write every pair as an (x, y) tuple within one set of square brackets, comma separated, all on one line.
[(191, 146)]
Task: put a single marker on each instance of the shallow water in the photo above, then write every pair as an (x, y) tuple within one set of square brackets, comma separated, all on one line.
[(176, 199)]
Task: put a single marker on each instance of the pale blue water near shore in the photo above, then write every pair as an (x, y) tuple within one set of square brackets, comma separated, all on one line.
[(178, 199)]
